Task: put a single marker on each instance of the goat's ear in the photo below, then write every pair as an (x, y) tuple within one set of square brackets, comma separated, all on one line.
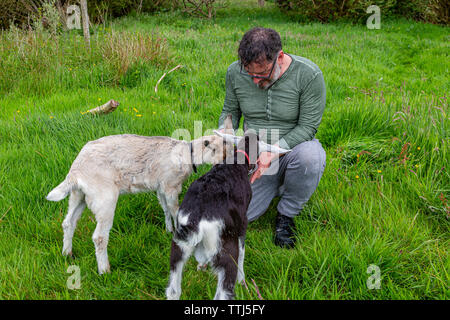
[(228, 137), (228, 123)]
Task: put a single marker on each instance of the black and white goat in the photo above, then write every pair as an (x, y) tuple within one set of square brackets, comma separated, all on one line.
[(212, 219)]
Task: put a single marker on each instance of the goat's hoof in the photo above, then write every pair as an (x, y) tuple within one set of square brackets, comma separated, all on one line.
[(241, 281), (67, 253), (202, 267), (104, 270), (172, 294)]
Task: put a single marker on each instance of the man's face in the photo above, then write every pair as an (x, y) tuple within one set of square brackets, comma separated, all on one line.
[(263, 70)]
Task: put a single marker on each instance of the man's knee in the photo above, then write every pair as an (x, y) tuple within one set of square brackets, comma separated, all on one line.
[(308, 155)]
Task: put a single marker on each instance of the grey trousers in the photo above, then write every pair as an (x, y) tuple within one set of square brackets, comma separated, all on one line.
[(293, 177)]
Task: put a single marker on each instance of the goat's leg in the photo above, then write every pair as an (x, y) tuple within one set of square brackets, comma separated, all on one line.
[(167, 214), (172, 206), (241, 274), (103, 210), (178, 257), (226, 266), (76, 207), (101, 239)]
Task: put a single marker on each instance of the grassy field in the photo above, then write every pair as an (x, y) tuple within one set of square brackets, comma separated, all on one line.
[(383, 199)]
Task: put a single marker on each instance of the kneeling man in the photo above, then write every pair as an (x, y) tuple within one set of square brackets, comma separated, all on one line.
[(282, 97)]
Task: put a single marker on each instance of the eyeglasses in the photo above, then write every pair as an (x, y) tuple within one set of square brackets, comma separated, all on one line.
[(245, 73)]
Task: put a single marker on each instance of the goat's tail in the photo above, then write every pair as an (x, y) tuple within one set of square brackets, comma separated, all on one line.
[(193, 231), (183, 228), (61, 191)]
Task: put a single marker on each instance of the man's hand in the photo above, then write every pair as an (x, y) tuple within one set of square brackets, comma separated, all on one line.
[(263, 162)]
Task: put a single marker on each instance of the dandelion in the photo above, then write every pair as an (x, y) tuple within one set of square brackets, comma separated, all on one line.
[(139, 115), (99, 99), (379, 171), (357, 155), (418, 148), (51, 117), (154, 112), (357, 177), (135, 110), (416, 165), (18, 111), (70, 69)]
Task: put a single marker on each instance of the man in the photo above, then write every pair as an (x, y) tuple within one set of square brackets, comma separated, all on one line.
[(282, 97)]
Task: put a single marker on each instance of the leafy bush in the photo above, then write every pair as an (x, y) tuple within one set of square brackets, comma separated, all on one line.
[(434, 11), (438, 11), (202, 8), (28, 13), (331, 10), (99, 9), (24, 13)]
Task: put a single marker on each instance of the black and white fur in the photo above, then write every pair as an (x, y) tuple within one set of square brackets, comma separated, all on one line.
[(212, 222)]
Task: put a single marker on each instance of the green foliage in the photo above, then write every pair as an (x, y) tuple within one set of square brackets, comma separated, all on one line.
[(42, 57), (100, 9), (31, 13), (435, 11), (438, 11), (26, 13)]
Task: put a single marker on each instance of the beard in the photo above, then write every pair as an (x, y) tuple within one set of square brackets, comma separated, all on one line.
[(265, 84)]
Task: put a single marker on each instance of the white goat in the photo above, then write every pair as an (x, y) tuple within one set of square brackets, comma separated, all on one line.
[(114, 165)]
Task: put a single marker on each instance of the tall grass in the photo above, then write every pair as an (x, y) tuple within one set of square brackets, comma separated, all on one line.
[(383, 198), (43, 62)]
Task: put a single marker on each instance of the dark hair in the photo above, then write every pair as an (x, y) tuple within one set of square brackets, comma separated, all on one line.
[(259, 44)]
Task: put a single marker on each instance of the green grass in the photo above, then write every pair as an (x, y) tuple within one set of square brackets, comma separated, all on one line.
[(383, 199)]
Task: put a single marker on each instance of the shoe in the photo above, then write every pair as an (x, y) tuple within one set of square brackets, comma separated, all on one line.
[(284, 231)]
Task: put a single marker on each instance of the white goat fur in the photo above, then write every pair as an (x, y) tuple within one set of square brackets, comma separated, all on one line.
[(114, 165)]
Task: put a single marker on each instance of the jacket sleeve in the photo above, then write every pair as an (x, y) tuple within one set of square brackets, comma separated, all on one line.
[(231, 104), (312, 104)]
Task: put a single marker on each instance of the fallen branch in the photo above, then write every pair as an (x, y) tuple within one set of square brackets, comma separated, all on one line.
[(165, 74), (108, 107)]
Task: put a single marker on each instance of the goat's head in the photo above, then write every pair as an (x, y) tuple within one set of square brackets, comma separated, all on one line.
[(211, 149)]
